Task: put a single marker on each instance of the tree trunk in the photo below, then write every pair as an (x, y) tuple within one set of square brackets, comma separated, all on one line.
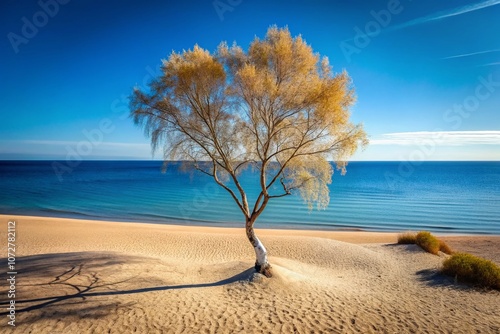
[(262, 266)]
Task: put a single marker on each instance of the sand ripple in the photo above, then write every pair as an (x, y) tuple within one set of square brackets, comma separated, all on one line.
[(187, 282)]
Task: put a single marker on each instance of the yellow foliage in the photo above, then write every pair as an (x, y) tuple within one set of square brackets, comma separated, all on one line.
[(311, 176), (278, 106)]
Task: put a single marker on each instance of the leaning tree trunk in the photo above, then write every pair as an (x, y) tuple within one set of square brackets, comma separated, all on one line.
[(261, 263)]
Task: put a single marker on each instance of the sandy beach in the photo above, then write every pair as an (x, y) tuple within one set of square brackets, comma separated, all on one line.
[(77, 276)]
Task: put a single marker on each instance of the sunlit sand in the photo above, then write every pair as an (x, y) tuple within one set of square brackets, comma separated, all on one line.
[(79, 276)]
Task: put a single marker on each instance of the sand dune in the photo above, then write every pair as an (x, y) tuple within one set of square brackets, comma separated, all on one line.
[(99, 277)]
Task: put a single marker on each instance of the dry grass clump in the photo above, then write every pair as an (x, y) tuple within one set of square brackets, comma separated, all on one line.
[(407, 238), (472, 269), (428, 242), (443, 247), (425, 240)]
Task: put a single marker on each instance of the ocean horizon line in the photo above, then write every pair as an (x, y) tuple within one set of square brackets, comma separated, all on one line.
[(161, 160)]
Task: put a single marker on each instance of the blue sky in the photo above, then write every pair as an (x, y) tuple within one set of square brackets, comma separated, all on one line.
[(426, 73)]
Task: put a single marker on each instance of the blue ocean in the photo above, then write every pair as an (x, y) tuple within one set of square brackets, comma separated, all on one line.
[(442, 197)]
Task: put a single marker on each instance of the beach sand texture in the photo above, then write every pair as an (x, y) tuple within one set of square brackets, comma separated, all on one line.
[(102, 277)]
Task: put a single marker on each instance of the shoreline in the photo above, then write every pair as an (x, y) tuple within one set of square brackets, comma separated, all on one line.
[(315, 228)]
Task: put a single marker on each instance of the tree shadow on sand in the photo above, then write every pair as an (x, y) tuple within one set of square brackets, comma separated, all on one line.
[(86, 275)]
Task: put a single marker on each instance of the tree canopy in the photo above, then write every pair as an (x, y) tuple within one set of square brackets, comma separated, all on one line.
[(278, 105)]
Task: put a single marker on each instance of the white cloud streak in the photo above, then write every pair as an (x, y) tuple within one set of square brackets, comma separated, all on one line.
[(74, 143), (84, 149), (491, 64), (445, 14), (471, 54), (440, 138)]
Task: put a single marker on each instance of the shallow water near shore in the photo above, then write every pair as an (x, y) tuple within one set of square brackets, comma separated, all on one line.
[(443, 197)]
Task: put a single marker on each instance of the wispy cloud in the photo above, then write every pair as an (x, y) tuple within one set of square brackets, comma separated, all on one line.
[(61, 149), (445, 14), (471, 54), (491, 64), (444, 138), (74, 143)]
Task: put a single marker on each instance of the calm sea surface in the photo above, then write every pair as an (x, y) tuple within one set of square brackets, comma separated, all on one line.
[(448, 197)]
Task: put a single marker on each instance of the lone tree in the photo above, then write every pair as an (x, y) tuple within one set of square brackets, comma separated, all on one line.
[(277, 107)]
